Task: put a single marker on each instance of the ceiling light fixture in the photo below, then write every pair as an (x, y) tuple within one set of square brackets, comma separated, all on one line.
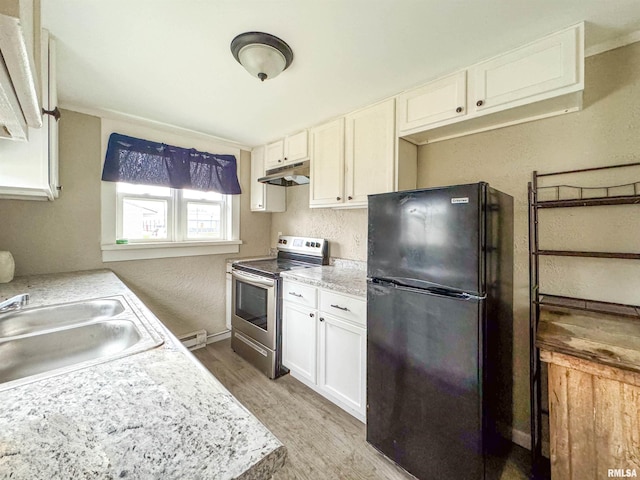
[(262, 55)]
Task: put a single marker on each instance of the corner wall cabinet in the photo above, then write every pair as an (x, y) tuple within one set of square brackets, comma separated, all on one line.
[(29, 170), (264, 198), (600, 417), (274, 155), (540, 79), (324, 343)]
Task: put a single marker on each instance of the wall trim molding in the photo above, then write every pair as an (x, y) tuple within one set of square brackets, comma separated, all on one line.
[(612, 44), (120, 116)]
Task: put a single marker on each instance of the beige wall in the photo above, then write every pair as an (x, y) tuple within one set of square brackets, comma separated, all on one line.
[(186, 293), (346, 230), (607, 131)]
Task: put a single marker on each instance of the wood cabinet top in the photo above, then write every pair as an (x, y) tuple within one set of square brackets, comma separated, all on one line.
[(604, 338)]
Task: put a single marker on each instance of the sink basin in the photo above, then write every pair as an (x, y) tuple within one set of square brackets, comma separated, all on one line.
[(37, 343), (30, 355), (30, 320)]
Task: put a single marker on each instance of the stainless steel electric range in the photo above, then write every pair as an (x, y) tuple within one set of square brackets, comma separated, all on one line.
[(256, 300)]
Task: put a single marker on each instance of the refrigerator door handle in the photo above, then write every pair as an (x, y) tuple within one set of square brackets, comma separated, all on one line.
[(440, 292)]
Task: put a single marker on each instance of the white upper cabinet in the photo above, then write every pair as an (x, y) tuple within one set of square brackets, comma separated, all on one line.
[(434, 102), (538, 80), (274, 155), (327, 164), (369, 153), (264, 198), (29, 170), (296, 147), (538, 69), (353, 157)]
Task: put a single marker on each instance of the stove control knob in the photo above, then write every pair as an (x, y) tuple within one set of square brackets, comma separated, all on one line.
[(284, 241), (307, 244), (317, 245)]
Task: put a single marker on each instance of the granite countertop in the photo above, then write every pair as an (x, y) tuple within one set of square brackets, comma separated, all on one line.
[(606, 338), (344, 276), (155, 414)]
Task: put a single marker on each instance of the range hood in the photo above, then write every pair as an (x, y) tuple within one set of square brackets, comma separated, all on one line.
[(287, 176)]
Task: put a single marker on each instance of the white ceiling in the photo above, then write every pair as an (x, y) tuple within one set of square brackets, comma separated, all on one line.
[(169, 60)]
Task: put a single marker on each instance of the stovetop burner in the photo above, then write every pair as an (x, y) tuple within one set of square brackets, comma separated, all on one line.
[(273, 266), (293, 253)]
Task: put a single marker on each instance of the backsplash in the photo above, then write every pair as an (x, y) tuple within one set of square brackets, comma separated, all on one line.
[(346, 230)]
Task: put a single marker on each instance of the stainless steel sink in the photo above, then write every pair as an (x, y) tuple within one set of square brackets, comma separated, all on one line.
[(33, 354), (30, 320), (41, 342)]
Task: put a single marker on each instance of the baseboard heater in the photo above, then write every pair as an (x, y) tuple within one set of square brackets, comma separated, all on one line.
[(200, 339), (194, 340)]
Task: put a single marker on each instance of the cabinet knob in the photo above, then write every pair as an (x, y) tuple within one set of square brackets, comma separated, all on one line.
[(279, 161), (285, 159), (479, 103), (260, 205), (311, 315), (321, 319), (459, 109), (338, 198), (349, 197)]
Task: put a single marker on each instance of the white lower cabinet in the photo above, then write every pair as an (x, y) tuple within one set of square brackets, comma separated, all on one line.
[(326, 349), (299, 340), (342, 361)]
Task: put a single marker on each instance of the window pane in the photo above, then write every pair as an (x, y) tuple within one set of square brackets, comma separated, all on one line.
[(197, 195), (143, 189), (203, 220), (144, 219)]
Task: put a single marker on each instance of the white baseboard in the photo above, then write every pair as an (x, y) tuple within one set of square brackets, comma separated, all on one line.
[(519, 437)]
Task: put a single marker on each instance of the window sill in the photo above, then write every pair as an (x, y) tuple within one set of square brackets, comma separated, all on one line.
[(145, 251)]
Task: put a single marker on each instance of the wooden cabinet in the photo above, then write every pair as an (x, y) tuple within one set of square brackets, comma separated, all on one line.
[(443, 99), (369, 153), (264, 197), (325, 348), (327, 164), (299, 341), (538, 80), (538, 70), (296, 147), (594, 419), (29, 170), (274, 155), (353, 157)]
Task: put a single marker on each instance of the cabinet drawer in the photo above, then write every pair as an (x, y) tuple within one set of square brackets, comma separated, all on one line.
[(343, 306), (301, 294)]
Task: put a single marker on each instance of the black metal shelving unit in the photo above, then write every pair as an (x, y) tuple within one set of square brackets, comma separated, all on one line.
[(565, 196)]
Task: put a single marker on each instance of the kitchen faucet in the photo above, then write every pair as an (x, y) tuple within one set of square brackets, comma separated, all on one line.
[(14, 303)]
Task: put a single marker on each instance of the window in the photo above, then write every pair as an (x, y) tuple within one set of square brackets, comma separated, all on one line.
[(163, 214), (166, 220)]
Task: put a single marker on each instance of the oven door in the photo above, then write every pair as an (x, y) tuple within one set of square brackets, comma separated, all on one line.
[(253, 304)]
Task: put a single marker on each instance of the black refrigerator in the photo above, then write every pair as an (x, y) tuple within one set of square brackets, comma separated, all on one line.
[(439, 326)]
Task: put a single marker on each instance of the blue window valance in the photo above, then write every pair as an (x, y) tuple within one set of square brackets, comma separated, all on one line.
[(134, 160)]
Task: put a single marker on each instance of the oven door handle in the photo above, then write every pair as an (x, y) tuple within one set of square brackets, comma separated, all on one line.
[(255, 279)]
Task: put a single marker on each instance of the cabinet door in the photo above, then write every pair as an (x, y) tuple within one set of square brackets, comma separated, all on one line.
[(299, 340), (295, 147), (327, 165), (369, 152), (274, 154), (29, 170), (342, 360), (264, 198), (531, 73), (435, 102)]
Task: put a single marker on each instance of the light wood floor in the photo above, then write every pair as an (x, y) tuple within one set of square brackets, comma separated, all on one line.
[(323, 441)]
